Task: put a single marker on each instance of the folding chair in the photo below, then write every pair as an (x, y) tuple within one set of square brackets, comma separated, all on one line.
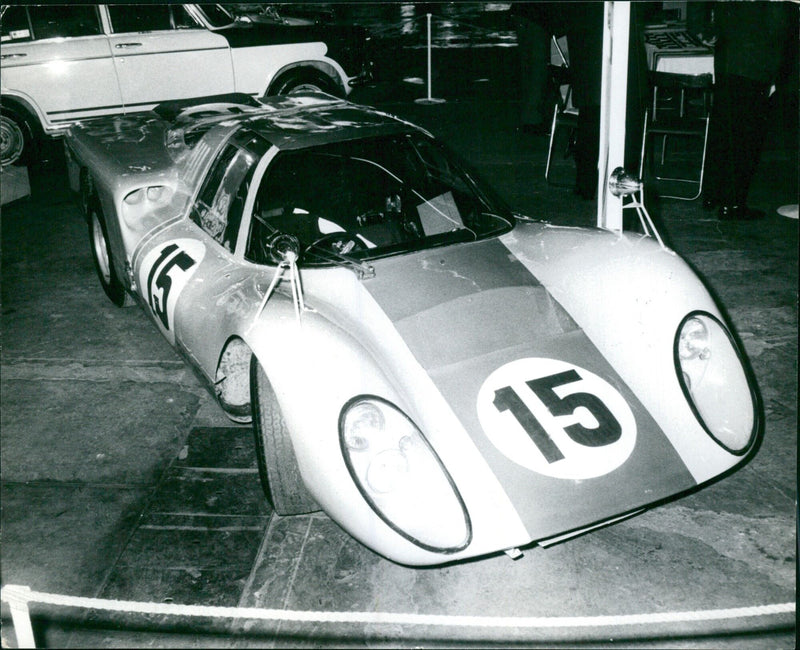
[(565, 115), (681, 107)]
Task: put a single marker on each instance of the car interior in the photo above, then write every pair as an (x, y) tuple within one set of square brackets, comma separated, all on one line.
[(367, 198)]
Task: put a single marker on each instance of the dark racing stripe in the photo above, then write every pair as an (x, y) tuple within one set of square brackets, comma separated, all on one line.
[(466, 311)]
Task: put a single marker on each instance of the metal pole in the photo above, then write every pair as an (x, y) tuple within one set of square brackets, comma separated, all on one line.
[(429, 57), (616, 26), (429, 99)]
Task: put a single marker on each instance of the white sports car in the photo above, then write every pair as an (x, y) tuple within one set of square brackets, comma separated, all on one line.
[(443, 377)]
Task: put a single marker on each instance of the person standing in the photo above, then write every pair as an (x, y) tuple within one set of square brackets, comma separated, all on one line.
[(533, 45), (751, 40), (582, 22)]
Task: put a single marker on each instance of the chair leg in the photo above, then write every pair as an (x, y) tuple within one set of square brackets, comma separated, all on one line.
[(703, 160), (644, 146), (699, 181), (550, 147)]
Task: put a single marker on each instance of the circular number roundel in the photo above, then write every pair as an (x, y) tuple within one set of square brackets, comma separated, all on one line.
[(556, 419), (164, 273)]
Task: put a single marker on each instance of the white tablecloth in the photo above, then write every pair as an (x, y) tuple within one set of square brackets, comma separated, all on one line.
[(685, 63), (673, 49)]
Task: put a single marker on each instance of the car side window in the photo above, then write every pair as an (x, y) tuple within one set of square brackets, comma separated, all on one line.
[(220, 204), (50, 21), (14, 26), (149, 18)]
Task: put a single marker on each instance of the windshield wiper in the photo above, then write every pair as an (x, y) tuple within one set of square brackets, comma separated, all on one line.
[(362, 269)]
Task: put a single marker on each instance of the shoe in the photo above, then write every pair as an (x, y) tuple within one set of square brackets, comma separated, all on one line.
[(535, 129), (739, 213)]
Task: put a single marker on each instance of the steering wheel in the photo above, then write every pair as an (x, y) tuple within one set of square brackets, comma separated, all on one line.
[(340, 243)]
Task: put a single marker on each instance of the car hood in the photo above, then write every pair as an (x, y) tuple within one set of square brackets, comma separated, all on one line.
[(568, 440)]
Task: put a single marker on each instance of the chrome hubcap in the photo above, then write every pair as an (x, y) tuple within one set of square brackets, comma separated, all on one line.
[(11, 141)]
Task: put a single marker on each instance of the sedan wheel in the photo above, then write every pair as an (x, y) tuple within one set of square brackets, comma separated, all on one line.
[(296, 81), (12, 140)]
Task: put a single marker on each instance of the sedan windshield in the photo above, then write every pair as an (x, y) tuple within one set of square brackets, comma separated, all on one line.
[(371, 198), (216, 15)]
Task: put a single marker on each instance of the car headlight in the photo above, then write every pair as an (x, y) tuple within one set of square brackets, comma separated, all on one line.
[(400, 475), (713, 377)]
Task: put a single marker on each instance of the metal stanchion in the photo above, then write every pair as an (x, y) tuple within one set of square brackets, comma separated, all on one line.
[(429, 99)]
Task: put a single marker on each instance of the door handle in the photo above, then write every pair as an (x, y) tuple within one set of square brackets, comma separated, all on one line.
[(13, 56), (123, 46)]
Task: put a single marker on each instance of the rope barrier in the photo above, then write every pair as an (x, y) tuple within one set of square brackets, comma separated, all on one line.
[(19, 597)]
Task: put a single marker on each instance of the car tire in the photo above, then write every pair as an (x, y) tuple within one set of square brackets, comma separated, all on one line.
[(301, 80), (277, 464), (103, 260), (17, 141)]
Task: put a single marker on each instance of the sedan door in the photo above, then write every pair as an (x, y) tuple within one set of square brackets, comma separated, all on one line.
[(58, 58), (161, 53)]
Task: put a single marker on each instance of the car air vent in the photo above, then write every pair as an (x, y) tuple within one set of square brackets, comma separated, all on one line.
[(173, 109)]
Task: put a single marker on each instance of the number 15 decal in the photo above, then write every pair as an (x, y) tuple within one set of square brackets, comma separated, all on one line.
[(556, 419), (164, 273)]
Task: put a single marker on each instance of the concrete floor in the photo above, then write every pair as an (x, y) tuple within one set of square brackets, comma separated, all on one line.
[(121, 478)]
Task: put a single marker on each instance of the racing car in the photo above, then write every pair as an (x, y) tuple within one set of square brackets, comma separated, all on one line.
[(444, 377)]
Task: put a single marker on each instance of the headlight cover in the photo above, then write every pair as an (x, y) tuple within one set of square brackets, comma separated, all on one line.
[(142, 202), (713, 376), (401, 477)]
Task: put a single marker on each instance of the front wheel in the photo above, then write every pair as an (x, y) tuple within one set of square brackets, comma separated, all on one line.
[(16, 138), (103, 261), (277, 464)]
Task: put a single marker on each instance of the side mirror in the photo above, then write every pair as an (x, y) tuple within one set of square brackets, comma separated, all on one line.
[(623, 183)]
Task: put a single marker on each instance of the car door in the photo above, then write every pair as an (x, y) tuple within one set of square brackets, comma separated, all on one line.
[(187, 272), (161, 52), (58, 58)]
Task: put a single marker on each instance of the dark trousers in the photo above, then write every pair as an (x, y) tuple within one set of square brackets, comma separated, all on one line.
[(736, 136), (534, 54), (587, 151)]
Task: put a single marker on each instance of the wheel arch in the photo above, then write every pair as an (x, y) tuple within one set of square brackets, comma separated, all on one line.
[(87, 190), (232, 379), (28, 109), (335, 74)]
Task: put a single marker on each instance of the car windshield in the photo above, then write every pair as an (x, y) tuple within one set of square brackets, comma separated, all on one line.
[(216, 15), (370, 198)]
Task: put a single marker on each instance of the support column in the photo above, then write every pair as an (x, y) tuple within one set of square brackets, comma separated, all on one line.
[(613, 100)]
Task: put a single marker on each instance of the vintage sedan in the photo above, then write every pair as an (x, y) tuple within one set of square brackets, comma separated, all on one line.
[(65, 62), (443, 377)]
